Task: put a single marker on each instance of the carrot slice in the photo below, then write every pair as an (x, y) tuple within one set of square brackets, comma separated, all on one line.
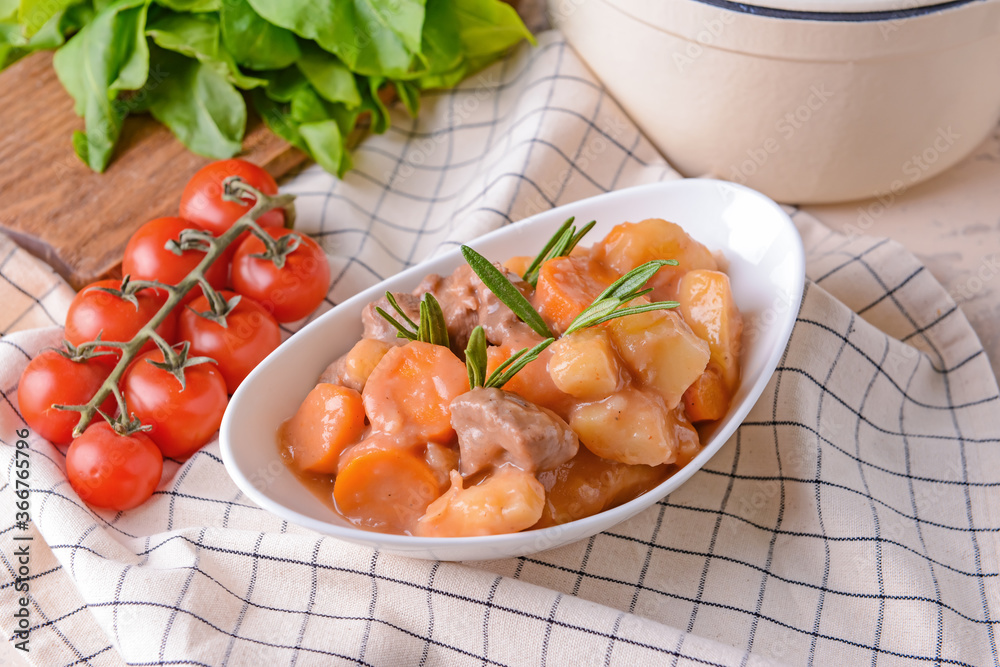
[(518, 264), (532, 382), (567, 285), (708, 398), (410, 391), (330, 419), (385, 489)]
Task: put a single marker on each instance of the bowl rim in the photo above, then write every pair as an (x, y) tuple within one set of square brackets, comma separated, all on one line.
[(402, 543)]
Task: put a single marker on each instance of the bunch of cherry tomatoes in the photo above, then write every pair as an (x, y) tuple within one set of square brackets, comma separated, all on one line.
[(178, 391)]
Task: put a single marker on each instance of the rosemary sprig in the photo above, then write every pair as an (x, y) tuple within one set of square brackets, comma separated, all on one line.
[(504, 290), (432, 328), (517, 361), (613, 302), (475, 358), (475, 361), (561, 244)]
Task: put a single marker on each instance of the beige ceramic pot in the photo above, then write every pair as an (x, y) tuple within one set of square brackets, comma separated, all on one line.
[(807, 101)]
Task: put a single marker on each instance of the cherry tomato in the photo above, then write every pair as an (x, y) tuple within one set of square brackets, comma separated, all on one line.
[(94, 311), (51, 378), (183, 419), (112, 471), (250, 335), (147, 258), (291, 292), (202, 202)]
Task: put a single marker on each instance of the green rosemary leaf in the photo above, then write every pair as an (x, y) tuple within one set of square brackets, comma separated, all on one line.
[(560, 248), (636, 295), (401, 331), (433, 328), (502, 375), (592, 312), (392, 302), (501, 286), (510, 360), (634, 279), (531, 273), (612, 302), (633, 310), (475, 358), (579, 236)]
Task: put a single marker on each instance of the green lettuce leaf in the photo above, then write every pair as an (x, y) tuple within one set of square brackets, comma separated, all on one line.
[(199, 105), (488, 27), (254, 42), (192, 5), (480, 31), (371, 102), (297, 112), (328, 75), (108, 56), (14, 45), (33, 14), (197, 36), (409, 95), (372, 37), (440, 41), (53, 34)]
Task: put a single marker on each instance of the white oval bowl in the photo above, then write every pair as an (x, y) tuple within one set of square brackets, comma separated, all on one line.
[(766, 268), (805, 105)]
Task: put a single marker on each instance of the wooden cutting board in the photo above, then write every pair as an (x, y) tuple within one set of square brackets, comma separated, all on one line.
[(76, 220)]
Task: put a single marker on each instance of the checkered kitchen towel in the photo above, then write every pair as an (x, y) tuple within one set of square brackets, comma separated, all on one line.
[(852, 519)]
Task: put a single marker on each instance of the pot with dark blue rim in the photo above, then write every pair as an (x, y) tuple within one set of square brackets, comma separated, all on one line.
[(809, 101)]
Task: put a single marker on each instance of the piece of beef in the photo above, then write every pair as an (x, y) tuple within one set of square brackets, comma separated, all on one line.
[(336, 373), (458, 303), (467, 302), (496, 427), (498, 321), (378, 328)]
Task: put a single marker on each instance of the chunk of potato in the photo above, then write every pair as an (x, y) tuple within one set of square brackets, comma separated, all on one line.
[(588, 484), (708, 307), (632, 426), (352, 369), (585, 365), (688, 440), (630, 244), (507, 502), (708, 398), (660, 349)]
